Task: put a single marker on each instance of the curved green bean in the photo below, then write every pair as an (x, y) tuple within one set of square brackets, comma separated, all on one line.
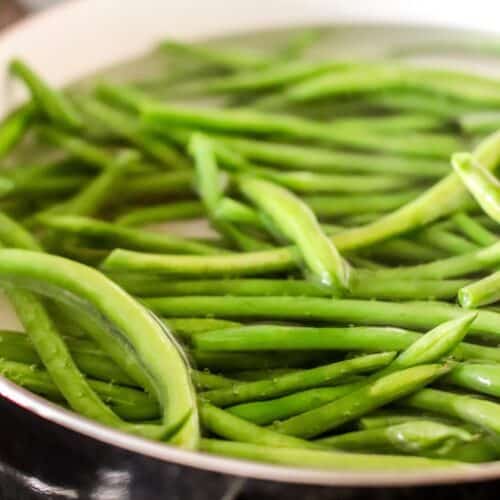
[(480, 182), (51, 102), (295, 221), (300, 380), (13, 127), (158, 355), (319, 459), (109, 234)]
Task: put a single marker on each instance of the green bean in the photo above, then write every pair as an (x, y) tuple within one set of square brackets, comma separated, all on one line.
[(413, 437), (399, 250), (446, 241), (308, 182), (55, 354), (48, 186), (370, 78), (482, 292), (324, 160), (13, 234), (190, 326), (402, 123), (293, 382), (77, 147), (94, 196), (480, 182), (360, 288), (205, 381), (142, 332), (263, 373), (451, 267), (468, 408), (130, 404), (87, 152), (159, 185), (13, 128), (270, 77), (58, 361), (226, 58), (478, 377), (126, 126), (291, 338), (161, 213), (474, 230), (229, 426), (365, 399), (157, 117), (272, 410), (421, 102), (208, 179), (480, 122), (251, 263), (415, 314), (51, 102), (354, 80), (237, 361), (379, 420), (338, 205), (113, 235), (295, 221), (87, 356), (319, 459), (444, 197)]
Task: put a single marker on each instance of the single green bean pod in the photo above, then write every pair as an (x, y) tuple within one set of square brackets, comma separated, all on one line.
[(54, 104), (480, 182), (295, 221)]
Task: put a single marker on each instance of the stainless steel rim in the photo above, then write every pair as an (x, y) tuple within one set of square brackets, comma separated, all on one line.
[(163, 452)]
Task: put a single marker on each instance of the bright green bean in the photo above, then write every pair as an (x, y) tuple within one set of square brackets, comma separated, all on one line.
[(143, 333), (272, 410), (113, 235), (360, 402), (324, 160), (291, 338), (130, 404), (226, 58), (161, 213), (296, 222), (13, 127), (468, 408), (360, 288), (482, 292), (126, 126), (293, 382), (478, 377), (51, 102), (317, 459), (480, 182), (338, 205), (229, 426), (420, 315), (158, 185), (94, 196), (410, 437), (474, 230)]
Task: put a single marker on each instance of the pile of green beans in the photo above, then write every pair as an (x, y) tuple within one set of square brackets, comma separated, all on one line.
[(301, 270)]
